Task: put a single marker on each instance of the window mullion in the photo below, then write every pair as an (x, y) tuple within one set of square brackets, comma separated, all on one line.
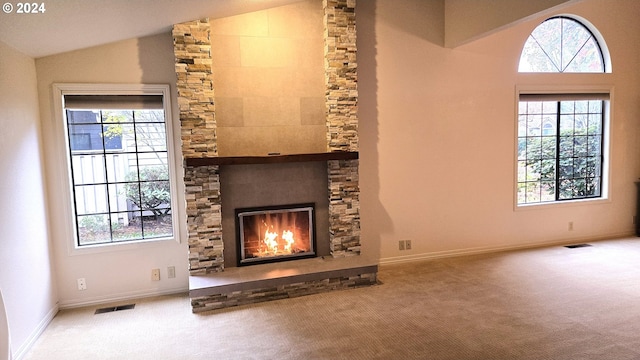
[(562, 67), (106, 177), (602, 140), (137, 150), (557, 172)]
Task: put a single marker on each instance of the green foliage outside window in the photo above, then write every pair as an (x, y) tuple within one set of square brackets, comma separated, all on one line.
[(148, 188)]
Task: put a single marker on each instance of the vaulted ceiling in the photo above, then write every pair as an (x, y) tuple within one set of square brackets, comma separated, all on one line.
[(76, 24), (69, 25)]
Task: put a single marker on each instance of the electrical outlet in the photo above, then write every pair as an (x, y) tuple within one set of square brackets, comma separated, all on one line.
[(155, 274), (570, 225), (635, 219), (407, 244), (82, 284), (171, 272), (401, 245)]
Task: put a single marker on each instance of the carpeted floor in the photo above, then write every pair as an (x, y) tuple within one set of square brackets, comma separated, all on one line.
[(551, 303)]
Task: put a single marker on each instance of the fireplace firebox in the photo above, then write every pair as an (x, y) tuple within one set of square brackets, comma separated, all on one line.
[(275, 233)]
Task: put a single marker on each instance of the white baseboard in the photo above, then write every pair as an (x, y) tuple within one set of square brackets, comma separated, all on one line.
[(42, 325), (111, 298), (493, 249)]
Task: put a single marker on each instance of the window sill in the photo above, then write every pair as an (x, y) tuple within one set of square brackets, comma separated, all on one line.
[(121, 246), (561, 204)]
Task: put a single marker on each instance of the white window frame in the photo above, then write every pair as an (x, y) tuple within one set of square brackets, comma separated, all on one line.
[(59, 92), (606, 145)]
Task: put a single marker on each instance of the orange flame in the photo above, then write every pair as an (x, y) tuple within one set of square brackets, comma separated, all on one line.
[(270, 241), (272, 244)]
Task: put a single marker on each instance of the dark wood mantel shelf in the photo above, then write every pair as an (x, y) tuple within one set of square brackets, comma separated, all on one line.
[(271, 159)]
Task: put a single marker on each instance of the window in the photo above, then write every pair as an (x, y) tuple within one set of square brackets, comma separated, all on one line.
[(561, 44), (87, 130), (561, 137), (560, 147), (118, 156)]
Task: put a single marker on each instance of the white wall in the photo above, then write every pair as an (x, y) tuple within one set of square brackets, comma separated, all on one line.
[(26, 276), (122, 271), (437, 134)]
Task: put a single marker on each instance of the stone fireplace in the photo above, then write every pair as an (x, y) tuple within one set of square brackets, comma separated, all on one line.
[(249, 146)]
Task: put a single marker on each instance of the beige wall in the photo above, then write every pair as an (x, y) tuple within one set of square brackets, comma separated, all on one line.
[(467, 20), (269, 81), (437, 135), (27, 278), (123, 271)]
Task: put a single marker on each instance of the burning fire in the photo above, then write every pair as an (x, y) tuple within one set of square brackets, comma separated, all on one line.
[(288, 237), (271, 242), (276, 234)]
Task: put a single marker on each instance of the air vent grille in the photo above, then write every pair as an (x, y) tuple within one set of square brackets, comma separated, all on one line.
[(577, 246), (114, 308)]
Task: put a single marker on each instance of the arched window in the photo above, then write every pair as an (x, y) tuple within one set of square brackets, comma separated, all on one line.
[(562, 44), (561, 137)]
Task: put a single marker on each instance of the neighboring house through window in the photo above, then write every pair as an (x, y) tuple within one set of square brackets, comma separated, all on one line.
[(119, 159), (561, 135)]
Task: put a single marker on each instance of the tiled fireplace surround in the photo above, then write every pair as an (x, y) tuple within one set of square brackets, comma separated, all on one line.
[(215, 185)]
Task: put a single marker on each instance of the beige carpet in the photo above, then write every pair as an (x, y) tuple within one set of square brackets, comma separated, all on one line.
[(552, 303)]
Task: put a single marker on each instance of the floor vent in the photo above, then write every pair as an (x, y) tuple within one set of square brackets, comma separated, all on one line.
[(577, 246), (116, 308)]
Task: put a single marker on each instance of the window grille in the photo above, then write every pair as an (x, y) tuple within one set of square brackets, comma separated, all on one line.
[(561, 44)]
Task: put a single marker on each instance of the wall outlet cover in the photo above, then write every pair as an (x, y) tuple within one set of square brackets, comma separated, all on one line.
[(82, 284)]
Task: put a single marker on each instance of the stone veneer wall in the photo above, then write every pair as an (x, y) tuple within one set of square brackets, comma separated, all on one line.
[(342, 125), (341, 74), (344, 208), (238, 298), (192, 50)]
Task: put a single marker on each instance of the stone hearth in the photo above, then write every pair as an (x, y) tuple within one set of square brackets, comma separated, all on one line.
[(247, 285), (214, 283)]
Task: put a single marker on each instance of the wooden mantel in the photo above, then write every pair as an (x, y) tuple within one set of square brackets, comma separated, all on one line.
[(271, 159)]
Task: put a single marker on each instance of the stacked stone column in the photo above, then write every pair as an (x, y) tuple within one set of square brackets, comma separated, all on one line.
[(192, 50), (342, 125)]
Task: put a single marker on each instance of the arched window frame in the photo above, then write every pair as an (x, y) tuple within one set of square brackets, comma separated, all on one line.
[(601, 43)]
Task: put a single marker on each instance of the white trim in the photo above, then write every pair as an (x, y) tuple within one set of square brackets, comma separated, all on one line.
[(42, 326), (564, 88), (606, 146), (496, 249), (128, 296), (62, 89)]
